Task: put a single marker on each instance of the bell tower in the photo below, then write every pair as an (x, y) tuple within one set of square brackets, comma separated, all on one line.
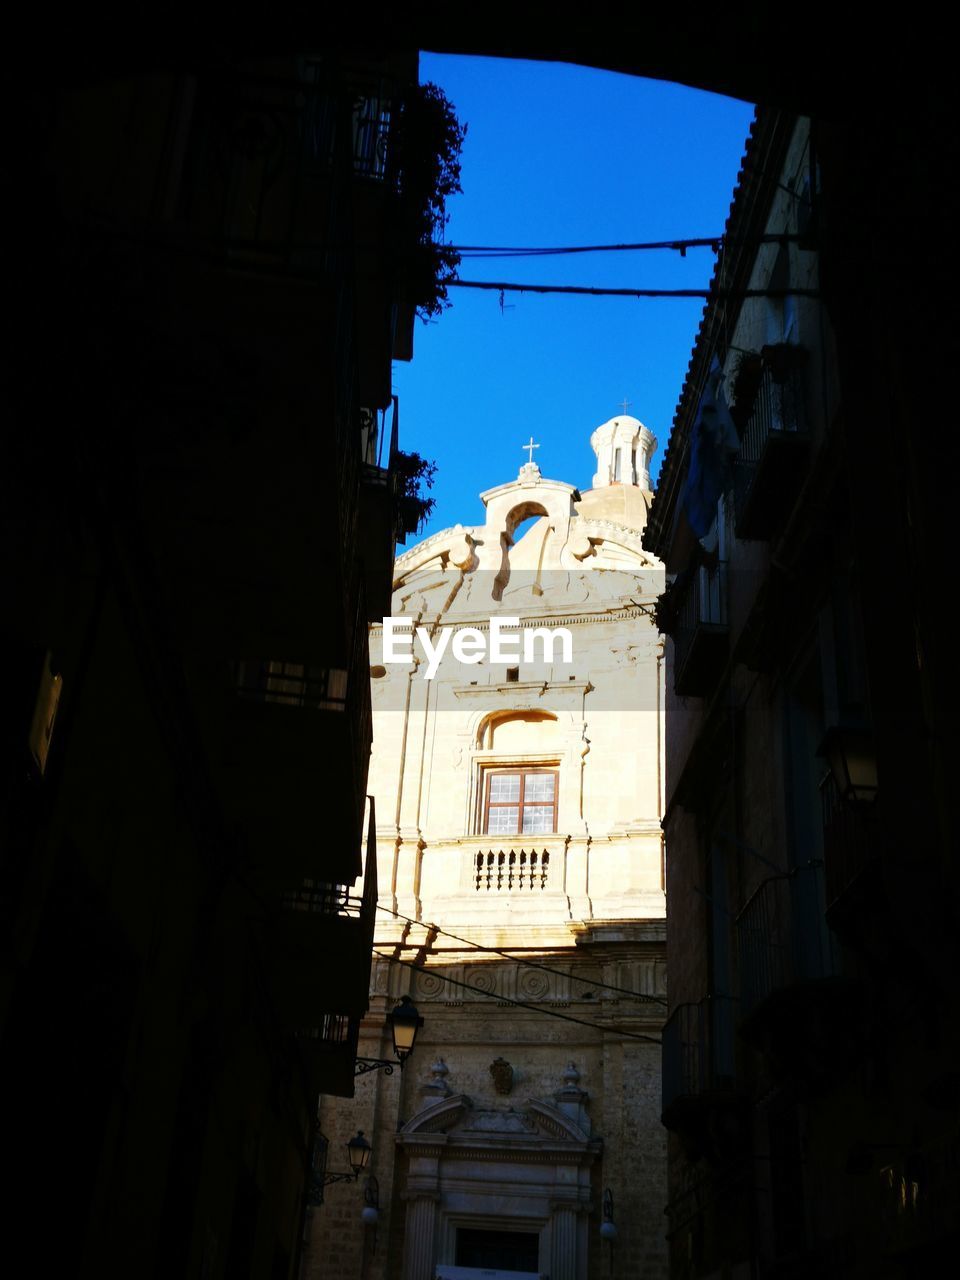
[(624, 448)]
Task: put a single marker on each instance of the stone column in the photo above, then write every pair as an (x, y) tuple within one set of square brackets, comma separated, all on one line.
[(563, 1243), (420, 1237)]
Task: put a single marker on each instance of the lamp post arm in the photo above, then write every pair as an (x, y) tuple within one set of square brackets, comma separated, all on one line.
[(363, 1065), (329, 1178)]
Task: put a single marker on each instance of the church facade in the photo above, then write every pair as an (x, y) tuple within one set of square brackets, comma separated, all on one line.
[(518, 784)]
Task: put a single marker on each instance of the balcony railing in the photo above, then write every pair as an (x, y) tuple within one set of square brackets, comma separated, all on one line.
[(374, 129), (321, 945), (266, 155), (698, 1051), (510, 870), (700, 631), (318, 898), (769, 469), (379, 521), (361, 715), (783, 938), (329, 1053), (294, 757), (293, 684), (850, 840)]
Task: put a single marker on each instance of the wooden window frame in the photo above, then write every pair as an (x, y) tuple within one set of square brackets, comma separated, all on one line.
[(524, 772)]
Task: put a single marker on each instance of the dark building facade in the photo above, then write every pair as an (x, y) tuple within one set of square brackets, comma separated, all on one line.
[(199, 518), (809, 1083)]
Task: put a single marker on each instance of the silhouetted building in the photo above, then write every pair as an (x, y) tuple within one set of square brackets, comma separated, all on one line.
[(200, 513), (811, 1101)]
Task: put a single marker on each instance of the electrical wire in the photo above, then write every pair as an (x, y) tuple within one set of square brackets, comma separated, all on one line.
[(678, 246), (521, 1004), (529, 964), (502, 286)]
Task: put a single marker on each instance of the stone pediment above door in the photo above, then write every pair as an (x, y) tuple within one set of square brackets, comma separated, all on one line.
[(537, 1127)]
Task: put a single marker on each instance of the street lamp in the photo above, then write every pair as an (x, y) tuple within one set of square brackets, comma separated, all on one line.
[(853, 762), (405, 1022), (359, 1151)]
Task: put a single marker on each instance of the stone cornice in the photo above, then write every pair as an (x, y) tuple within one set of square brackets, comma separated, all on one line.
[(503, 1152), (524, 485), (527, 687), (595, 614), (454, 531), (757, 182), (439, 1115), (631, 531)]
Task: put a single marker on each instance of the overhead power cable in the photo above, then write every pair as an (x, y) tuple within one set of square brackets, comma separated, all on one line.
[(502, 286), (521, 1004), (529, 964), (548, 251)]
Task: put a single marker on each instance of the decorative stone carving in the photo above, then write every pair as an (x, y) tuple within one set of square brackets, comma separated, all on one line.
[(439, 1115), (436, 1086), (499, 1122), (533, 983), (571, 1099), (429, 984), (502, 1073)]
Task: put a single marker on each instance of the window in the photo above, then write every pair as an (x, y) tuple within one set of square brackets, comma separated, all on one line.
[(520, 801)]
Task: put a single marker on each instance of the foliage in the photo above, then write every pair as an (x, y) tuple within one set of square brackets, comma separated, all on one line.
[(430, 138), (414, 475)]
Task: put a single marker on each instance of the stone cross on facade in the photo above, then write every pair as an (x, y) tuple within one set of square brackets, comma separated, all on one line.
[(530, 447)]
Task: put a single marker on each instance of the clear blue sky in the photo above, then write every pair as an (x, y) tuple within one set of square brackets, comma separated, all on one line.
[(564, 155)]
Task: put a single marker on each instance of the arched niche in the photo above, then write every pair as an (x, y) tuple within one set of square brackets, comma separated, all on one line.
[(519, 732)]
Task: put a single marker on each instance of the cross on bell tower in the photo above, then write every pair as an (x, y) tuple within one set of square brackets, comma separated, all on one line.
[(530, 448)]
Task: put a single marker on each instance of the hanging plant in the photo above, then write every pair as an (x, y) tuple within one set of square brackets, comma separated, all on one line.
[(414, 474), (429, 141)]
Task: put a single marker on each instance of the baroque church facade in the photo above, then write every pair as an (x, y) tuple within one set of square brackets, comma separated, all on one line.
[(521, 900)]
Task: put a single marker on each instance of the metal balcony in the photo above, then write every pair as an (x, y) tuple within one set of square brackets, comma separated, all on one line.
[(378, 523), (773, 454), (783, 939), (700, 631), (700, 1099), (293, 767), (320, 943), (328, 1052), (698, 1056), (272, 165), (796, 1005), (850, 847)]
